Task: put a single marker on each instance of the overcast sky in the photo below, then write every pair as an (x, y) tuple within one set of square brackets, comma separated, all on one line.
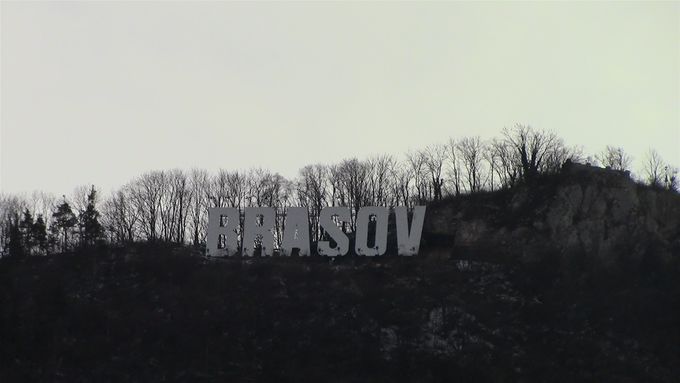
[(97, 93)]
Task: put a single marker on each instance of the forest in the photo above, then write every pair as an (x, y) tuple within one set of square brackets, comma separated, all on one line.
[(172, 205)]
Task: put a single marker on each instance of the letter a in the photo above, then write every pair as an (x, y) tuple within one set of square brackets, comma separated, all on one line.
[(341, 240), (296, 234)]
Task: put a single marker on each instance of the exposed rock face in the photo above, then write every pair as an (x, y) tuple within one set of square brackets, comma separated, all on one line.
[(598, 213)]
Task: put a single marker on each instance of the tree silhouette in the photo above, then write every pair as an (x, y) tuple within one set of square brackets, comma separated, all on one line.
[(654, 169), (15, 244), (536, 150), (39, 234), (91, 229), (471, 151), (614, 158), (435, 157), (26, 229), (64, 220)]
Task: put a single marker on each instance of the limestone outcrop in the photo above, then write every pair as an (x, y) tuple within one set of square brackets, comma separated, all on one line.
[(597, 213)]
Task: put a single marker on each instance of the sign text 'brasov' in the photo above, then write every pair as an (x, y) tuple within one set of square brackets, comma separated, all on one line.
[(259, 227)]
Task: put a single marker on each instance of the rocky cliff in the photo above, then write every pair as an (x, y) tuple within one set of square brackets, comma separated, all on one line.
[(598, 214)]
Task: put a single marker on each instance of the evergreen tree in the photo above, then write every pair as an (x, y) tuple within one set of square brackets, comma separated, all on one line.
[(15, 244), (91, 229), (65, 220), (26, 230), (39, 234), (53, 239)]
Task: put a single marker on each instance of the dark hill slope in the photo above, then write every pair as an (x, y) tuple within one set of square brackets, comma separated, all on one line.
[(522, 285), (159, 314)]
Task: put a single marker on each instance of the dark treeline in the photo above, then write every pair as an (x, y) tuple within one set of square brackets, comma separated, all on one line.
[(172, 205)]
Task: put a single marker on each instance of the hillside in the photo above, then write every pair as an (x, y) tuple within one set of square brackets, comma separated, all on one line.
[(598, 217), (572, 279)]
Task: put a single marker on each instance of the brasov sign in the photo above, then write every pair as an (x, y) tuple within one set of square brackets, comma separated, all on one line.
[(224, 226)]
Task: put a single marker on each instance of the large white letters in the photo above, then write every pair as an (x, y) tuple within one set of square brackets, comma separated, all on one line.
[(340, 238), (259, 228), (296, 234), (259, 225), (363, 218), (408, 242), (223, 222)]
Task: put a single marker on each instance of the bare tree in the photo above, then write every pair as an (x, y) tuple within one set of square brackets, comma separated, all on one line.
[(471, 151), (434, 157), (614, 158), (418, 170), (218, 189), (312, 193), (654, 168), (506, 162), (263, 187), (403, 176), (120, 216), (454, 166), (658, 173), (267, 189), (558, 155), (199, 186), (353, 183), (168, 207), (237, 192), (337, 195), (180, 190), (146, 194), (380, 178), (42, 203), (533, 149)]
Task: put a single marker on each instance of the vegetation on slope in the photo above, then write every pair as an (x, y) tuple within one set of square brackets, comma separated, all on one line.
[(159, 312)]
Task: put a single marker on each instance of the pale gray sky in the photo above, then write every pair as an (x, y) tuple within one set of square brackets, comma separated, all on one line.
[(100, 92)]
